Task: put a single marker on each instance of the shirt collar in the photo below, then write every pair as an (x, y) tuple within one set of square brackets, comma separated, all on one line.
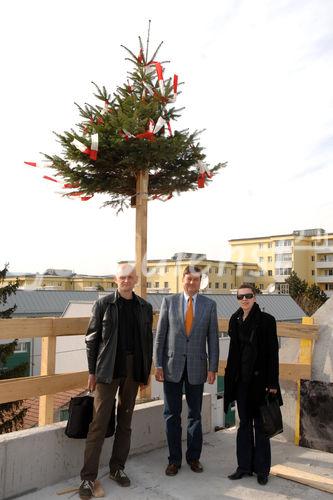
[(186, 297)]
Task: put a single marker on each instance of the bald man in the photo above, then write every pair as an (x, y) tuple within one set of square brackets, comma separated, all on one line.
[(119, 345)]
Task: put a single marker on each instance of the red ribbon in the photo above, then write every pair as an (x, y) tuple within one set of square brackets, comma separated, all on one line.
[(50, 178), (201, 180), (175, 83), (150, 136), (140, 56)]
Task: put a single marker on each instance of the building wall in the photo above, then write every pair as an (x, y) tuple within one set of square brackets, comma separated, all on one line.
[(305, 252)]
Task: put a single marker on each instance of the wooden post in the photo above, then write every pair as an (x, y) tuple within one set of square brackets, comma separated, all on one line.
[(141, 232), (48, 359), (141, 246), (305, 356)]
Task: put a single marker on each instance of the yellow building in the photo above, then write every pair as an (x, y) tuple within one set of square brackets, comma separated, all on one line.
[(308, 252), (62, 279), (165, 275)]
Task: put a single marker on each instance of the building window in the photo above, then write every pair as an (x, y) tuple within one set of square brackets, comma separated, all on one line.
[(269, 258), (166, 284), (217, 285), (280, 271), (313, 273), (224, 285), (209, 285), (270, 272), (22, 347), (261, 245), (157, 284), (269, 245), (261, 273), (261, 260), (312, 258), (148, 284), (261, 286), (283, 257), (283, 243), (166, 269)]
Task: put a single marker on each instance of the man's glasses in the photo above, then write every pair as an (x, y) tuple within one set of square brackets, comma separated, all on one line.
[(242, 296)]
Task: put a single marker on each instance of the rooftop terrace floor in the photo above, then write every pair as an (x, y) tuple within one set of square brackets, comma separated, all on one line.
[(218, 458)]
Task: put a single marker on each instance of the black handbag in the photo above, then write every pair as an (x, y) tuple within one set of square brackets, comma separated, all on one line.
[(271, 416), (80, 414)]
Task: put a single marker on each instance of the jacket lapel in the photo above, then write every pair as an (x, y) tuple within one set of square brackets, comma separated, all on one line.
[(180, 312)]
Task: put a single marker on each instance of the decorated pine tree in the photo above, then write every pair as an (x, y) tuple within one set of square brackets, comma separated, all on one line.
[(11, 414), (126, 145)]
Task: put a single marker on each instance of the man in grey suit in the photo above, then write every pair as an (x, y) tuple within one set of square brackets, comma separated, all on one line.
[(187, 324)]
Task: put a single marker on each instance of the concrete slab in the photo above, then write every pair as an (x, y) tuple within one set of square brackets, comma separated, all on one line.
[(149, 481)]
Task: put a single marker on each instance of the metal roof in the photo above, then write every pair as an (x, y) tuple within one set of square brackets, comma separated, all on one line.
[(45, 302), (54, 303), (282, 307)]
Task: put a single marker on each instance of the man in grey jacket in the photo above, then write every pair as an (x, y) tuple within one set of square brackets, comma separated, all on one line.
[(119, 351), (187, 324)]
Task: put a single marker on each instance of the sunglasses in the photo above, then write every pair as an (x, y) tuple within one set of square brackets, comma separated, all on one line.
[(242, 296)]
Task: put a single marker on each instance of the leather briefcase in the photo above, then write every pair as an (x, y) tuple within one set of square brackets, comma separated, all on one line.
[(80, 414)]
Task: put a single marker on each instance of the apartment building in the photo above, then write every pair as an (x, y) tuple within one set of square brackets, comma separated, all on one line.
[(308, 252), (62, 279)]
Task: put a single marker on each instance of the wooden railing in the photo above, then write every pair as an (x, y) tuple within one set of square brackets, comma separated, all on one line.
[(49, 383)]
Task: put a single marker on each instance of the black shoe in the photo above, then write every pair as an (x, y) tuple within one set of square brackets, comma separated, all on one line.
[(262, 479), (238, 474), (86, 489), (120, 477)]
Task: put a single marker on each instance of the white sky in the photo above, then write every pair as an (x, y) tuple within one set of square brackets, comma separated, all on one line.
[(258, 77)]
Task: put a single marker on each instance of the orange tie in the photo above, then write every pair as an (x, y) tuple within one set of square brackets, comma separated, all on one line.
[(189, 316)]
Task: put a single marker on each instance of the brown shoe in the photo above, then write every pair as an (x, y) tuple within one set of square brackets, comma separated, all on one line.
[(195, 465), (172, 469)]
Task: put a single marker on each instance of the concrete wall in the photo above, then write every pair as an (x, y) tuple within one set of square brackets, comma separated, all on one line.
[(322, 362), (38, 457)]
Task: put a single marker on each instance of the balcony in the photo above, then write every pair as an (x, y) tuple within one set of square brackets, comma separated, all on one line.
[(324, 264), (323, 249), (324, 279), (40, 457)]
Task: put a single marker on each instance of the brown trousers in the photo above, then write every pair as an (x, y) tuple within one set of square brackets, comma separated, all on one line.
[(103, 402)]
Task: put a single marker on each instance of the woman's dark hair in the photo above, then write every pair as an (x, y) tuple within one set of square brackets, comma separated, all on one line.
[(248, 285)]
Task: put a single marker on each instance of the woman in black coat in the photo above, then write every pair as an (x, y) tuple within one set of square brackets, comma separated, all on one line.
[(252, 371)]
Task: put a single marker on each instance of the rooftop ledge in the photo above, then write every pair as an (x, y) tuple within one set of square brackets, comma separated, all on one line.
[(37, 464)]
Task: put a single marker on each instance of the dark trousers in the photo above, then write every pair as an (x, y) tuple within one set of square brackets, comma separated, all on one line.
[(103, 402), (253, 447), (173, 394)]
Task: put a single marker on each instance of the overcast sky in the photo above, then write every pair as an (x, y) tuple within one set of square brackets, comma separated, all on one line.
[(258, 77)]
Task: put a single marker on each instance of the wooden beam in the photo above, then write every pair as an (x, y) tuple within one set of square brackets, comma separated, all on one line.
[(288, 371), (321, 483), (43, 327), (21, 328), (29, 387), (47, 367), (66, 326), (141, 232), (298, 330)]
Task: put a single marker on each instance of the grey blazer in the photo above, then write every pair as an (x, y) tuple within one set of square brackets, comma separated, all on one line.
[(173, 347)]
